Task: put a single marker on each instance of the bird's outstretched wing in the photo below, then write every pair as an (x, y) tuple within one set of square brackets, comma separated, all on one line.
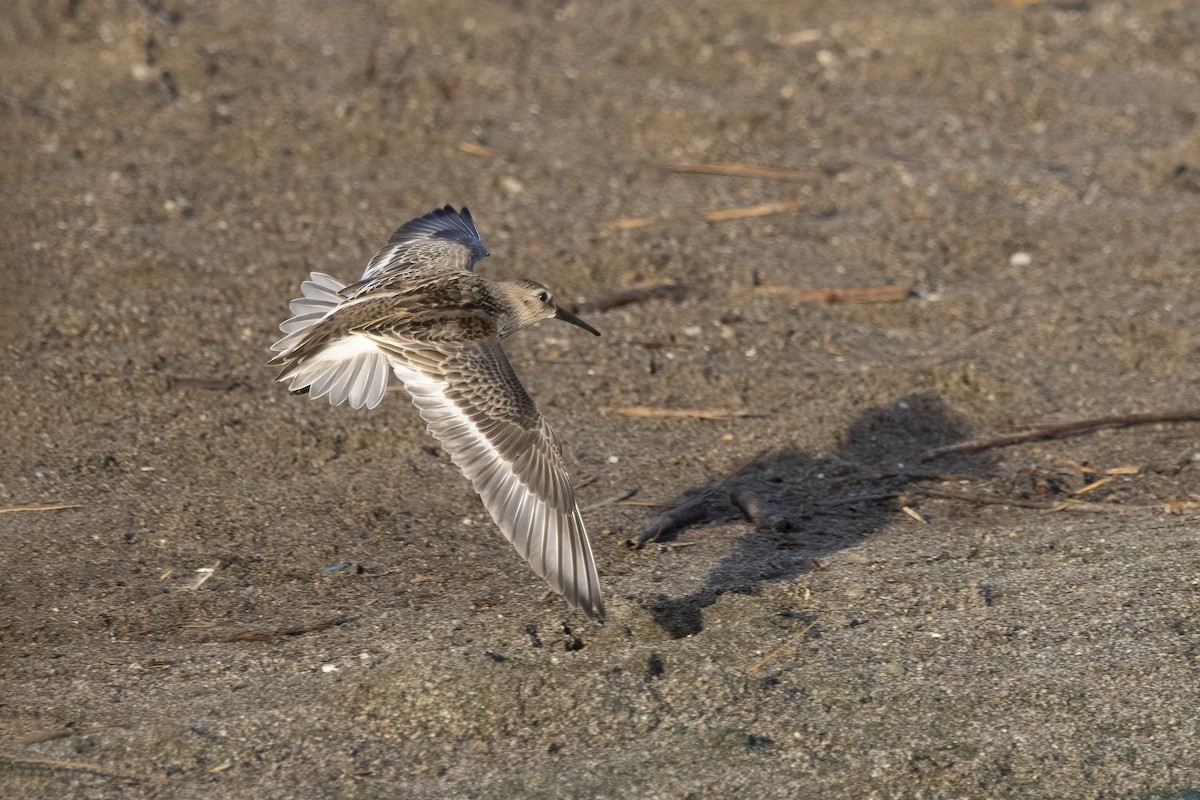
[(474, 405), (443, 239)]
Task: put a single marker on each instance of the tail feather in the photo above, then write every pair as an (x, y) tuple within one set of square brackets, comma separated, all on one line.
[(347, 367), (301, 322), (320, 294)]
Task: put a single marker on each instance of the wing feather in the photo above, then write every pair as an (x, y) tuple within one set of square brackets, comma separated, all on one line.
[(473, 404), (443, 239)]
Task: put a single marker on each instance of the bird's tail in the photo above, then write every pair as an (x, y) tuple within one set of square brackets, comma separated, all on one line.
[(343, 366)]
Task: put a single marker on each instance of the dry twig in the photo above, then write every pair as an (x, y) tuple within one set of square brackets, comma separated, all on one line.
[(858, 498), (691, 511), (37, 508), (1069, 504), (1060, 430), (273, 636), (609, 501), (741, 171), (72, 766), (628, 223), (1096, 484), (678, 517), (749, 212), (636, 294), (850, 294), (482, 150), (203, 384), (985, 499), (694, 413), (757, 513), (785, 646), (39, 736)]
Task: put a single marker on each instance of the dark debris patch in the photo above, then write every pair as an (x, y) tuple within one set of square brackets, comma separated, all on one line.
[(534, 639), (654, 667)]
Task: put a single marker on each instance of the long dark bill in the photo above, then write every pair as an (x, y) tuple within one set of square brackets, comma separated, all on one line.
[(567, 316)]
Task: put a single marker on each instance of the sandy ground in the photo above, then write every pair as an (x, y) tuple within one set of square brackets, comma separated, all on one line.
[(171, 170)]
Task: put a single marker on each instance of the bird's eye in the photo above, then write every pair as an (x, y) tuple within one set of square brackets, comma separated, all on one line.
[(544, 296)]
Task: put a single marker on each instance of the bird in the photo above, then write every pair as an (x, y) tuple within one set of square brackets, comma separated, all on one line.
[(422, 313)]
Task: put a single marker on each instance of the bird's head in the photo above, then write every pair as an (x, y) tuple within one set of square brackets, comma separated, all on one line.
[(529, 302)]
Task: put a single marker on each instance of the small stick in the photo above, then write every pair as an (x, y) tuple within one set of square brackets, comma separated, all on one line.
[(372, 66), (1104, 508), (36, 508), (609, 501), (679, 517), (749, 505), (481, 150), (1060, 430), (300, 630), (628, 223), (983, 499), (1065, 505), (917, 475), (799, 37), (858, 498), (252, 636), (749, 212), (752, 509), (886, 293), (692, 511), (1094, 485), (696, 413), (275, 635), (785, 646), (636, 294), (740, 171), (73, 766), (204, 384), (39, 736)]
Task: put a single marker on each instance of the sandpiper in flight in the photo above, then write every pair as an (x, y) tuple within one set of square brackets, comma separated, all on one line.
[(420, 311)]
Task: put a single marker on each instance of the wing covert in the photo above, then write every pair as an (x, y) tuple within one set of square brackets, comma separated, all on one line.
[(444, 239)]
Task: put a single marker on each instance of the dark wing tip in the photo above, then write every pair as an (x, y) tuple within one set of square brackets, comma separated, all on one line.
[(464, 216), (445, 223)]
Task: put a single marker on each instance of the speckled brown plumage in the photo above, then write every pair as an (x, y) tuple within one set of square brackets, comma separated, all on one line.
[(421, 312)]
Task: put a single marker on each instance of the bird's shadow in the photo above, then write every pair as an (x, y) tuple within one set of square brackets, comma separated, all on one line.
[(804, 508)]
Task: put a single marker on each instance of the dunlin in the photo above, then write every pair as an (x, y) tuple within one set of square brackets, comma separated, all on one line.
[(421, 312)]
